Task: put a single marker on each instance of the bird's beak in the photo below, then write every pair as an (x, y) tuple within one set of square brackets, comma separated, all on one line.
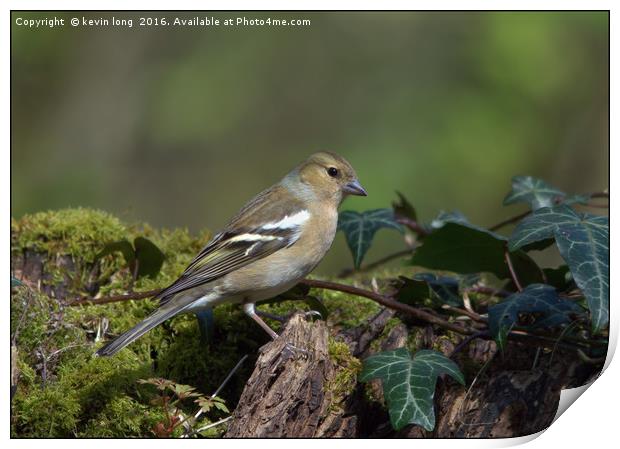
[(355, 188)]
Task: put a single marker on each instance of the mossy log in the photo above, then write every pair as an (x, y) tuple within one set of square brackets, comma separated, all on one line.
[(288, 393), (59, 390)]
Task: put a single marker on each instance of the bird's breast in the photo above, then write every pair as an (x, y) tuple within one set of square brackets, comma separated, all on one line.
[(281, 270)]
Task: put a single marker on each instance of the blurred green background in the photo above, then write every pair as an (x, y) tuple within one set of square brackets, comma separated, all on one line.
[(179, 127)]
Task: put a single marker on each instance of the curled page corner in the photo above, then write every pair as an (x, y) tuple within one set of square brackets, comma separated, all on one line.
[(569, 396)]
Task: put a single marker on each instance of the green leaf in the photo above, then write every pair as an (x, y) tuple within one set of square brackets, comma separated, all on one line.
[(122, 246), (160, 383), (560, 277), (533, 191), (409, 385), (538, 246), (150, 257), (404, 208), (412, 291), (204, 403), (16, 282), (360, 228), (449, 217), (184, 391), (465, 248), (221, 406), (445, 289), (577, 199), (536, 298), (583, 241)]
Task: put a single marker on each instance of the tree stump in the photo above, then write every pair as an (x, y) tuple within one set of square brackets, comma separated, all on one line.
[(286, 396)]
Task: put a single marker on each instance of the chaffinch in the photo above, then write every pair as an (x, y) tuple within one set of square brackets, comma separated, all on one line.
[(268, 247)]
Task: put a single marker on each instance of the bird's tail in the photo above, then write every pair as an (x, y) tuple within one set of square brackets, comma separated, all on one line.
[(157, 317)]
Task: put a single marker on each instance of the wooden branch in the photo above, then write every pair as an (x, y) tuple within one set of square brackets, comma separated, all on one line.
[(604, 194), (508, 221), (388, 302), (413, 225), (511, 268), (384, 301)]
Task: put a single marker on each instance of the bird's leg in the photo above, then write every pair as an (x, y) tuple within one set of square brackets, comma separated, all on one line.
[(250, 310), (205, 324), (282, 319)]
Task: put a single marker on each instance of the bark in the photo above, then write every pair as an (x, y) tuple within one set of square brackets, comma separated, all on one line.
[(286, 396)]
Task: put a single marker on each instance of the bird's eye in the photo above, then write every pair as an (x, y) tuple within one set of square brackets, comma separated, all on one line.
[(332, 171)]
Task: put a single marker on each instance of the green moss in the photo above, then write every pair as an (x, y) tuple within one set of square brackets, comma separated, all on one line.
[(45, 412), (82, 391), (30, 315), (377, 343), (415, 339), (122, 417), (347, 369), (77, 232), (91, 397), (27, 375), (347, 310)]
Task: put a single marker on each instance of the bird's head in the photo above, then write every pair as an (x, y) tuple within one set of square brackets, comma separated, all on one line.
[(329, 176)]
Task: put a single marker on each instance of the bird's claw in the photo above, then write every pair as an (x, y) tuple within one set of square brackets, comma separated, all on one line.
[(311, 313), (290, 349)]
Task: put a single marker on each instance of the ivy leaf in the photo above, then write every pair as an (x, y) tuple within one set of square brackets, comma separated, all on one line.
[(465, 248), (409, 385), (533, 191), (150, 257), (428, 285), (360, 228), (16, 282), (577, 199), (536, 298), (538, 246), (583, 241), (122, 246), (449, 217), (411, 291), (143, 252), (560, 277), (404, 208)]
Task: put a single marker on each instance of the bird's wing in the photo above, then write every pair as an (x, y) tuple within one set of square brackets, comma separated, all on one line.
[(263, 227)]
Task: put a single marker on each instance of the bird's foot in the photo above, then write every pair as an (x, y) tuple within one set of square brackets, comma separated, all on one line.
[(291, 350), (283, 319)]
